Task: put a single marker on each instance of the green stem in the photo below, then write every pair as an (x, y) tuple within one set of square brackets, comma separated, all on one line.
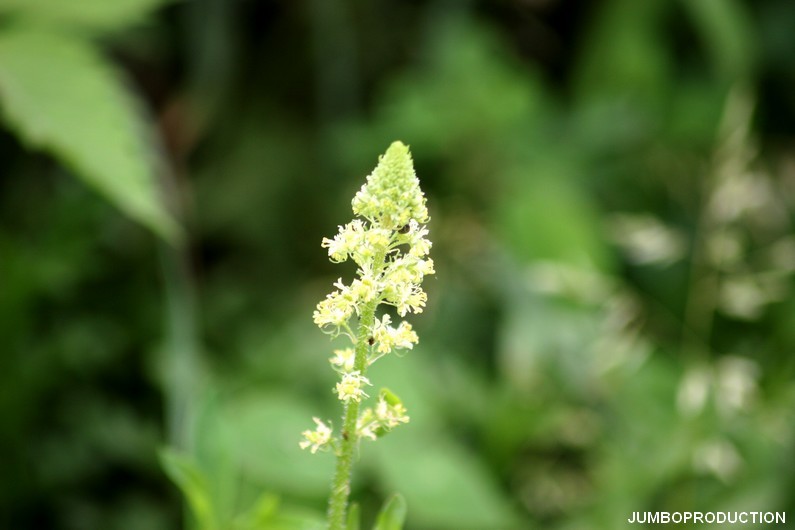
[(341, 486), (181, 383)]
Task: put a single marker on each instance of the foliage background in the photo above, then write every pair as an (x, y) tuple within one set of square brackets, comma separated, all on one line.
[(611, 186)]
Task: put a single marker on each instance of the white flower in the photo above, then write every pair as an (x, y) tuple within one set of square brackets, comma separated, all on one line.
[(343, 360), (317, 439), (375, 422), (367, 424), (390, 415), (389, 338), (350, 388)]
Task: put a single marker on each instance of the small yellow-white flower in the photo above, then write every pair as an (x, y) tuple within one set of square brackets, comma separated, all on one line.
[(343, 360), (318, 438), (351, 387), (335, 309), (389, 338), (390, 416), (385, 416), (367, 424)]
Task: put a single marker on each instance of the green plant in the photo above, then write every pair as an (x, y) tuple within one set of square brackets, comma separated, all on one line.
[(388, 244), (53, 76)]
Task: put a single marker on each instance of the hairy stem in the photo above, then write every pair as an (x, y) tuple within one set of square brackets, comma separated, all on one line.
[(341, 486)]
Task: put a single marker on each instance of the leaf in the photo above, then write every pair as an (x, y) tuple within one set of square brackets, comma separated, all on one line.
[(213, 456), (424, 104), (193, 484), (625, 55), (392, 515), (353, 517), (94, 14), (59, 95), (265, 430), (547, 216), (260, 514), (447, 486), (727, 30)]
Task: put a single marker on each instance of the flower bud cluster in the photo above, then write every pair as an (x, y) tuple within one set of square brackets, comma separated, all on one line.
[(388, 242)]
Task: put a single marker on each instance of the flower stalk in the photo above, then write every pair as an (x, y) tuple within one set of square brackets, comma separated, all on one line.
[(388, 243)]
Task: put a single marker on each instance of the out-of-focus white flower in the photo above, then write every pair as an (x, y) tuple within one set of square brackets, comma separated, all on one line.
[(694, 390), (374, 422), (718, 457), (343, 360), (736, 384), (646, 240), (743, 297), (317, 439)]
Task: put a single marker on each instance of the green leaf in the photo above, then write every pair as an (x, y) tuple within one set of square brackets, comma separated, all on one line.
[(193, 484), (547, 216), (353, 517), (626, 56), (727, 30), (61, 96), (447, 486), (260, 514), (265, 430), (214, 457), (93, 14), (392, 515)]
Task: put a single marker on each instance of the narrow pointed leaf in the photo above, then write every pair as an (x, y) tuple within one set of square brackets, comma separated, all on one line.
[(193, 485), (392, 515), (59, 95), (353, 517)]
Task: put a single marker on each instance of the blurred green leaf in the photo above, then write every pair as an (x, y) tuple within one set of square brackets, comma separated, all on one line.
[(294, 520), (726, 28), (424, 104), (265, 428), (546, 216), (626, 55), (268, 514), (543, 343), (447, 486), (59, 95), (353, 517), (193, 484), (93, 14), (212, 450), (264, 509), (392, 514)]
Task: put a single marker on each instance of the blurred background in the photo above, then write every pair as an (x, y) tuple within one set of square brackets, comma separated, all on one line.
[(610, 329)]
